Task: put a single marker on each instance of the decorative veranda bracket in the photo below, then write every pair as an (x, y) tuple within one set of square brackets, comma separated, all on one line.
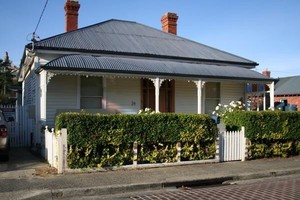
[(49, 76), (199, 84), (160, 81)]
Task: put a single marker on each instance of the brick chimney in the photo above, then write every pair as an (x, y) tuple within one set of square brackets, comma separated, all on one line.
[(71, 9), (267, 73), (169, 23)]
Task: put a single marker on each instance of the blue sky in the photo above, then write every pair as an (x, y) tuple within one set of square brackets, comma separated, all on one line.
[(265, 31)]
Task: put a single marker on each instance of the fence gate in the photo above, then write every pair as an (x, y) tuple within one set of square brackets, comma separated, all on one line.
[(19, 136), (232, 145)]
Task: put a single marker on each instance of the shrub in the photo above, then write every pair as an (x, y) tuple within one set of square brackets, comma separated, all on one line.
[(272, 133), (106, 140), (223, 110)]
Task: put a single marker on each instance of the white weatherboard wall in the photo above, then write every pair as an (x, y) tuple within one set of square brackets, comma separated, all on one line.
[(61, 94), (123, 95), (232, 91), (27, 125), (185, 97)]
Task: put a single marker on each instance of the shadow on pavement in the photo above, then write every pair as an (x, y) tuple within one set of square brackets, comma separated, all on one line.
[(23, 159)]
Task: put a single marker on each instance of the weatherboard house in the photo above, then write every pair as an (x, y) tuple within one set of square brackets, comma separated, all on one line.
[(121, 66)]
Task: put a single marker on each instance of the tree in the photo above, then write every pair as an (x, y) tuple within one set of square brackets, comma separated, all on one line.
[(7, 78)]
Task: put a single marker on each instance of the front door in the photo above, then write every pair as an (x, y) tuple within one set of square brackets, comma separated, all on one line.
[(166, 95)]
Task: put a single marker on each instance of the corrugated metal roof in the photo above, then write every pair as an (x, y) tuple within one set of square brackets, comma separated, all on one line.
[(288, 86), (139, 66), (125, 37)]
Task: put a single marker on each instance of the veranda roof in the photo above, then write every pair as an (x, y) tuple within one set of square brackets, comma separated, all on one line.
[(151, 67)]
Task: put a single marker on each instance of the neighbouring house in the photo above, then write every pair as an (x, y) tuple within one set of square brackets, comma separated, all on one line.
[(121, 66), (287, 88), (259, 96)]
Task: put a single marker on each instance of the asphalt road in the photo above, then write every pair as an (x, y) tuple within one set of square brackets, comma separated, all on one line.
[(275, 188), (271, 188)]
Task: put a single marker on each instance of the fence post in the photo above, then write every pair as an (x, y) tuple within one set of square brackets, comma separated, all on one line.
[(60, 154), (218, 157), (244, 145), (178, 147), (135, 152), (47, 142), (64, 134), (53, 148), (62, 151)]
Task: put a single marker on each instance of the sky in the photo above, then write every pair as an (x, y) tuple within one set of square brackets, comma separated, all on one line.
[(264, 31)]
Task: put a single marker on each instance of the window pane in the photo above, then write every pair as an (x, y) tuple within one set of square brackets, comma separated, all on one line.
[(91, 92), (212, 96), (210, 105), (91, 103), (212, 90), (91, 86)]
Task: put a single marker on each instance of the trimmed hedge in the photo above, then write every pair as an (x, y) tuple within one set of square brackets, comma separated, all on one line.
[(271, 133), (266, 124), (107, 140)]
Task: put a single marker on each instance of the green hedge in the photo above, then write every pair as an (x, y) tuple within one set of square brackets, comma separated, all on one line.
[(271, 133), (107, 140), (267, 124)]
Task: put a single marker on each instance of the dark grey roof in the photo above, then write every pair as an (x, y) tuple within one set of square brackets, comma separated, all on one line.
[(131, 38), (288, 86), (144, 66)]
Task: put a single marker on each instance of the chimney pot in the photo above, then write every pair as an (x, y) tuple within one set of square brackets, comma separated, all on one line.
[(71, 9), (169, 23), (267, 73)]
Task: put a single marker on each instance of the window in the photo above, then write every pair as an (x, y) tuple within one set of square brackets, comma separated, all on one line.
[(91, 92), (212, 97)]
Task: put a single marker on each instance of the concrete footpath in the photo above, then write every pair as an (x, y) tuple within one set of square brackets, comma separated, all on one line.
[(41, 182)]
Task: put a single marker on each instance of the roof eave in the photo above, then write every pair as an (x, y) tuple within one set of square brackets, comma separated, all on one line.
[(139, 73)]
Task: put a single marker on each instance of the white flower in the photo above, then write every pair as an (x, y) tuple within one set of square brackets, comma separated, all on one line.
[(218, 107)]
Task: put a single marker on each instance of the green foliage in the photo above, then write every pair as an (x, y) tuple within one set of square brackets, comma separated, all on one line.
[(267, 124), (272, 133), (223, 110), (107, 140), (146, 111), (273, 148), (8, 78), (157, 153)]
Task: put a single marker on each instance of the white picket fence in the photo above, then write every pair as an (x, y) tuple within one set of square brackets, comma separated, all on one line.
[(233, 145), (55, 150)]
